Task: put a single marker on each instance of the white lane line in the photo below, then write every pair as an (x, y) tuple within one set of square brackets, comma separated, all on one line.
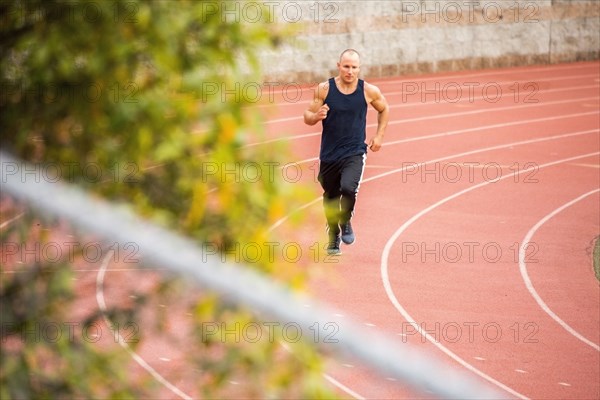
[(394, 300), (342, 387), (527, 280), (281, 220), (493, 126), (433, 117), (519, 71), (595, 166), (102, 305), (6, 223)]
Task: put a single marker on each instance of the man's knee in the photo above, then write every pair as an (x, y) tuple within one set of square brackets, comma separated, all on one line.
[(331, 195), (349, 188)]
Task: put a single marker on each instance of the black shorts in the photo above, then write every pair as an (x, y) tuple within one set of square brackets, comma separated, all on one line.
[(342, 177)]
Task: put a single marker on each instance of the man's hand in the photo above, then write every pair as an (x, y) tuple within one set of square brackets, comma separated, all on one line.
[(375, 143), (321, 113)]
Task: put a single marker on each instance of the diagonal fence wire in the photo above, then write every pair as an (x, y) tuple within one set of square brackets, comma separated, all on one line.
[(240, 285)]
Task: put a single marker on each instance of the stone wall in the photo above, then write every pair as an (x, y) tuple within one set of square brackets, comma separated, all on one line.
[(397, 37)]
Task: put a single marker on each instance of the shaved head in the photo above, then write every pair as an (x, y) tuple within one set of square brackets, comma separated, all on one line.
[(350, 52)]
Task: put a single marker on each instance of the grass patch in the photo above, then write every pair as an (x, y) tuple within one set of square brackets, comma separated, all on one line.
[(596, 257)]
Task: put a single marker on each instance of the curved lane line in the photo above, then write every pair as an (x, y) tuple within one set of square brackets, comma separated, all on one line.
[(529, 284), (394, 300), (138, 359)]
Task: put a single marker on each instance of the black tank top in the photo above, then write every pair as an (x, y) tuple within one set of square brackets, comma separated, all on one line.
[(344, 129)]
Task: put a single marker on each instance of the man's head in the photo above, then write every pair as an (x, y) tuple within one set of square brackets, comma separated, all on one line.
[(349, 66)]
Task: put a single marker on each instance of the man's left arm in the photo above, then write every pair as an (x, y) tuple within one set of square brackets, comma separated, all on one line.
[(379, 103)]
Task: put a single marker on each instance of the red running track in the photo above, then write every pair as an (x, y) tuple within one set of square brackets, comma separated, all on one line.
[(475, 224)]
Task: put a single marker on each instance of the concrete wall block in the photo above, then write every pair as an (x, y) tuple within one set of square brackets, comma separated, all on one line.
[(526, 38), (391, 49), (393, 42), (463, 34), (591, 34), (407, 43), (575, 35)]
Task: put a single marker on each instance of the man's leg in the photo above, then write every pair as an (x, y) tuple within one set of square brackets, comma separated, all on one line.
[(351, 174), (329, 177)]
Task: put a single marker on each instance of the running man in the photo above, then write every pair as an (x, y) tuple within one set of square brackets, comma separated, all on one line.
[(341, 103)]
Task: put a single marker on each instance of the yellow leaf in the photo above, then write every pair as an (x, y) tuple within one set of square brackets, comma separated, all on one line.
[(198, 206), (227, 129)]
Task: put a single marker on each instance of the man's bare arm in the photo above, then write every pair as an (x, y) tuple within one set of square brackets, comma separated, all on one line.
[(317, 110), (380, 104)]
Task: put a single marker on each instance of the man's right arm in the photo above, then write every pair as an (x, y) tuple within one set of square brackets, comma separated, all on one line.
[(317, 110)]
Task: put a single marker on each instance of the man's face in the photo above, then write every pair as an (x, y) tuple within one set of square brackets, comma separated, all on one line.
[(349, 66)]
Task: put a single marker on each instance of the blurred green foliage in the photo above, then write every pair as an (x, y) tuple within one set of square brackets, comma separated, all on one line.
[(122, 92), (45, 353), (118, 96)]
